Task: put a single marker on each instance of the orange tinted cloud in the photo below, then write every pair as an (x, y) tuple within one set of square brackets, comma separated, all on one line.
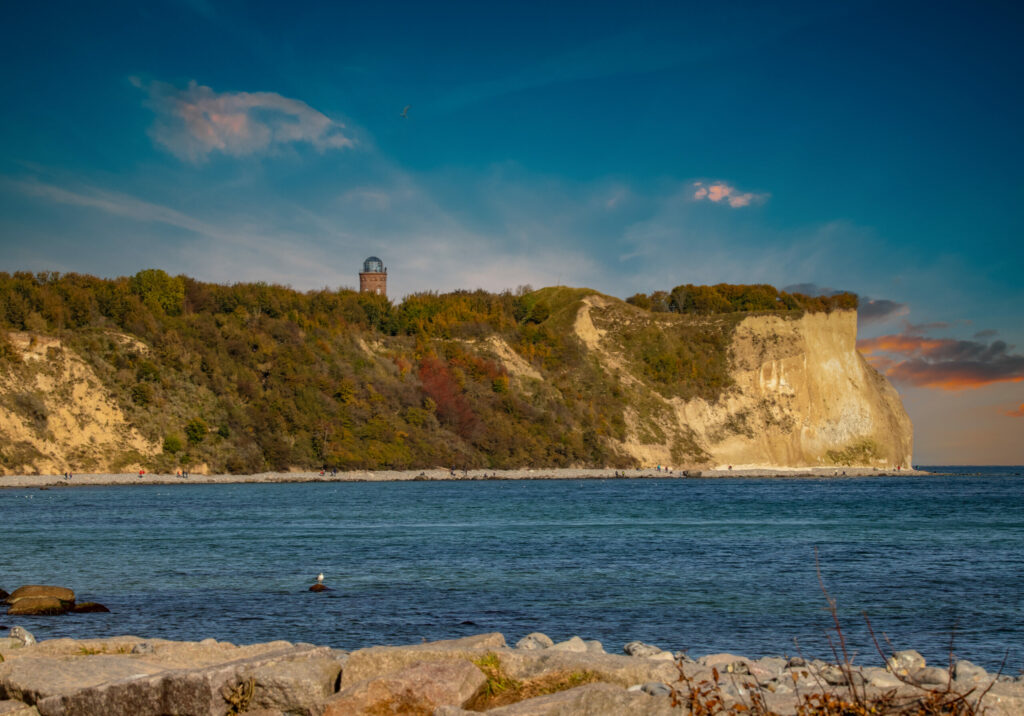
[(943, 363), (1018, 413), (196, 121), (719, 192)]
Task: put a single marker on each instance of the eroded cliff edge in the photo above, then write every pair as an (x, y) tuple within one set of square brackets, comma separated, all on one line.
[(801, 396), (556, 378)]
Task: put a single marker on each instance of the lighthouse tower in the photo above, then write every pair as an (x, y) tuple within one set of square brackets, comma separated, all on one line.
[(374, 277)]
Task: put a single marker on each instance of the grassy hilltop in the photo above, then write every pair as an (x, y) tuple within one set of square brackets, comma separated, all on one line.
[(254, 377)]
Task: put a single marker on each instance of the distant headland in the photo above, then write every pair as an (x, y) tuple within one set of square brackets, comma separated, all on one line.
[(170, 375)]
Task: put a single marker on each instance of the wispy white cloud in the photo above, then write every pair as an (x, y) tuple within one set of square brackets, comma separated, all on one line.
[(234, 247), (114, 203), (195, 122), (718, 192)]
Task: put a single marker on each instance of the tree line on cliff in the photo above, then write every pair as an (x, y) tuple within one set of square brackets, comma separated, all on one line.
[(253, 376), (728, 298)]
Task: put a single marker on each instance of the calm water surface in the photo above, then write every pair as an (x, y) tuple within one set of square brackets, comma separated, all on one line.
[(701, 565)]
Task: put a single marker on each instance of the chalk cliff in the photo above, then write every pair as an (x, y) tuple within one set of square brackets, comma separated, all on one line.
[(801, 395), (577, 379)]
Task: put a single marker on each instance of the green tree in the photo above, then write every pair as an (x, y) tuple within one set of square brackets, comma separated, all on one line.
[(158, 290), (196, 430), (172, 443)]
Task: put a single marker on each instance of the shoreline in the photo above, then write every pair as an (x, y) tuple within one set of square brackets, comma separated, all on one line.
[(467, 675), (441, 475)]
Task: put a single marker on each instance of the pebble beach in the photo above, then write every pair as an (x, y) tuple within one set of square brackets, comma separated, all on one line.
[(79, 479)]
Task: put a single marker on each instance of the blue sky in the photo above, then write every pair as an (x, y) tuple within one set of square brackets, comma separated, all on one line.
[(872, 147)]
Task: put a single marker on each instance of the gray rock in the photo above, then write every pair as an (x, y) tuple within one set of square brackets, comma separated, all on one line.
[(964, 670), (592, 699), (656, 688), (376, 660), (721, 661), (905, 663), (737, 667), (931, 676), (292, 679), (796, 662), (34, 679), (594, 646), (639, 648), (836, 676), (881, 678), (772, 664), (536, 640), (419, 688), (22, 634), (16, 708), (575, 644)]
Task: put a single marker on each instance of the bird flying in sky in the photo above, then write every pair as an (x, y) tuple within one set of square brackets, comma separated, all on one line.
[(405, 112)]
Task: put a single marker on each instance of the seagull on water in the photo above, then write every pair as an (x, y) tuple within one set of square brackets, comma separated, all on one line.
[(320, 578)]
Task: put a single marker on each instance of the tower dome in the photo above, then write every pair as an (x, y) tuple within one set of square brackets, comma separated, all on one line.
[(374, 277)]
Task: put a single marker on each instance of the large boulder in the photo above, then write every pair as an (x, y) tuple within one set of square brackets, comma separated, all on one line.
[(42, 590), (592, 699), (421, 687), (535, 640), (639, 648), (519, 664), (4, 595), (37, 606), (905, 663), (574, 644), (89, 608), (175, 678), (9, 707), (374, 661), (967, 671)]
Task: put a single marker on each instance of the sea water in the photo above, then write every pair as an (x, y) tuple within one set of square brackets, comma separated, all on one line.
[(701, 565)]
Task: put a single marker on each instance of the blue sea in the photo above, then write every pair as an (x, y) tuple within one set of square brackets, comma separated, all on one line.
[(701, 565)]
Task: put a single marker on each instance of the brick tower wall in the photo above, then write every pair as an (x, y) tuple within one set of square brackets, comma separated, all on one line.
[(373, 283)]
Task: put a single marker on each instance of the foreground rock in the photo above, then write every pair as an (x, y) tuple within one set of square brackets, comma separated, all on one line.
[(128, 675), (421, 687)]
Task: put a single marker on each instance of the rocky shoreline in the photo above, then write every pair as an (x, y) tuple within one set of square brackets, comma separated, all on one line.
[(535, 677), (440, 474)]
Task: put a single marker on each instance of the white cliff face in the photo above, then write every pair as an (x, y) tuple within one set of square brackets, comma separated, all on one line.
[(809, 398), (803, 396)]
